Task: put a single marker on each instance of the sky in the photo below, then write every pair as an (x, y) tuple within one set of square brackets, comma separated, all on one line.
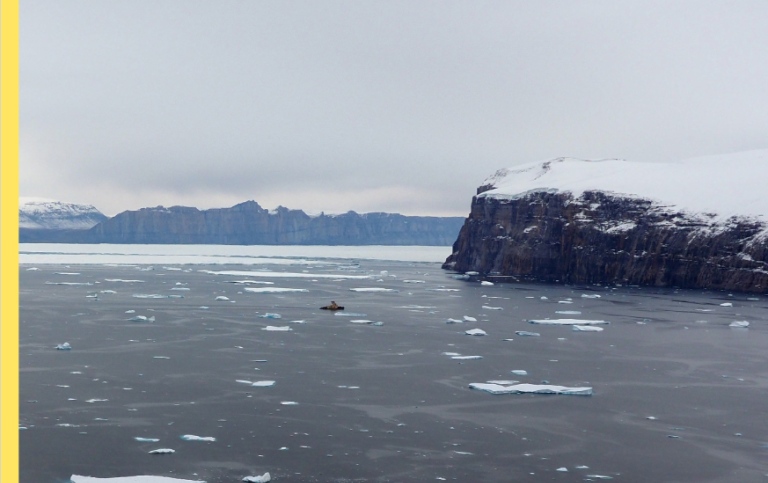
[(394, 106)]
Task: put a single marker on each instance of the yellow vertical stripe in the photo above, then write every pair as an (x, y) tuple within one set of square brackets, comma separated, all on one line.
[(9, 243)]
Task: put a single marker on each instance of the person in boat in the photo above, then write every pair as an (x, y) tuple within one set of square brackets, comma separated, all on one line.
[(333, 306)]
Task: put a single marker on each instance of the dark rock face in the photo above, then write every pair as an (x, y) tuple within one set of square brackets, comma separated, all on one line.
[(602, 239), (250, 224)]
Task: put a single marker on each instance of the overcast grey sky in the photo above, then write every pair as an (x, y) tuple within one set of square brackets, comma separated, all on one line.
[(400, 106)]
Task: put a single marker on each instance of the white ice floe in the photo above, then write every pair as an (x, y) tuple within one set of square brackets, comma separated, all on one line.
[(270, 315), (525, 333), (466, 358), (91, 401), (121, 280), (265, 478), (726, 304), (531, 389), (361, 321), (64, 347), (470, 319), (586, 328), (414, 281), (289, 403), (263, 384), (475, 332), (249, 282), (222, 298), (372, 289), (503, 382), (146, 440), (451, 353), (162, 451), (590, 296), (567, 322), (486, 283), (155, 296), (444, 289), (488, 307), (274, 290), (142, 318), (519, 372), (192, 437), (739, 324), (130, 479), (268, 274), (454, 321), (273, 328), (568, 312), (68, 283), (565, 301)]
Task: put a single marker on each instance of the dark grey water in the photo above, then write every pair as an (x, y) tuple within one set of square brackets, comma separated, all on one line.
[(383, 403)]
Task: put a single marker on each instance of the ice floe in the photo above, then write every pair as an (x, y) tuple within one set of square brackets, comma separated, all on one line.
[(488, 307), (475, 332), (567, 322), (526, 333), (121, 280), (372, 289), (531, 389), (142, 318), (519, 372), (271, 315), (222, 298), (64, 347), (274, 290), (739, 324), (263, 384), (273, 328), (454, 321), (486, 283), (265, 478), (568, 312), (192, 437), (726, 304), (268, 274), (130, 479), (586, 328), (590, 296), (162, 451), (155, 296), (146, 440), (466, 358), (470, 319)]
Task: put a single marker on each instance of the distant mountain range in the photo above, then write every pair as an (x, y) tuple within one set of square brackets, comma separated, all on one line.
[(243, 224)]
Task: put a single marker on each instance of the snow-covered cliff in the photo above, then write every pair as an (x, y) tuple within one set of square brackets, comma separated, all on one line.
[(46, 214), (700, 222)]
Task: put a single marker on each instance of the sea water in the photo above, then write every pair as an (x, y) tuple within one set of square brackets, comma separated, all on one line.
[(205, 386)]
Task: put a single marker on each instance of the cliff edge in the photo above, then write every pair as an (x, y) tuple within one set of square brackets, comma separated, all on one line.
[(697, 223)]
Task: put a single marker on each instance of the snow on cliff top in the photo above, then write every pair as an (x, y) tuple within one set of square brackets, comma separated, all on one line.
[(44, 213), (724, 185)]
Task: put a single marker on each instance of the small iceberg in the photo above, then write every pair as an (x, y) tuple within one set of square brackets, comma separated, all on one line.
[(525, 333), (488, 307), (265, 478), (726, 304), (486, 283), (274, 290), (141, 318), (519, 372), (222, 298), (146, 440), (739, 324), (567, 322), (192, 437), (454, 321), (470, 319), (64, 347), (466, 358), (476, 332), (162, 451), (263, 384), (130, 479), (531, 389), (586, 328), (590, 296), (282, 328), (270, 315)]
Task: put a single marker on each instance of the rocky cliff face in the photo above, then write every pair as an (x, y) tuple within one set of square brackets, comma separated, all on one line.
[(597, 237), (250, 224)]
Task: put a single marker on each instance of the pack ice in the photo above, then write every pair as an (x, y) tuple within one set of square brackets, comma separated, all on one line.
[(531, 389), (567, 322), (131, 479)]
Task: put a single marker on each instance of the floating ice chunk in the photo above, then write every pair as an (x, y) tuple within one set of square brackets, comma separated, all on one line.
[(289, 403), (66, 273), (739, 324), (130, 311), (274, 290), (451, 354), (32, 269), (562, 469), (372, 289), (470, 319), (519, 372), (192, 437), (64, 347), (361, 321), (526, 333), (590, 296), (454, 321), (248, 282), (155, 296), (568, 312), (107, 291), (600, 477), (414, 281), (348, 314), (565, 301), (121, 280), (265, 273), (146, 440), (486, 283), (726, 304), (488, 307), (445, 290), (471, 272), (130, 479), (91, 401), (162, 451), (222, 298), (270, 315), (181, 288), (142, 318), (503, 382), (377, 324), (263, 384), (531, 389), (160, 357), (475, 332), (265, 478), (282, 328), (460, 277), (586, 328), (567, 322), (466, 358)]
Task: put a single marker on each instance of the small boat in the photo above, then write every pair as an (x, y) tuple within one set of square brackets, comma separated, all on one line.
[(333, 306)]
